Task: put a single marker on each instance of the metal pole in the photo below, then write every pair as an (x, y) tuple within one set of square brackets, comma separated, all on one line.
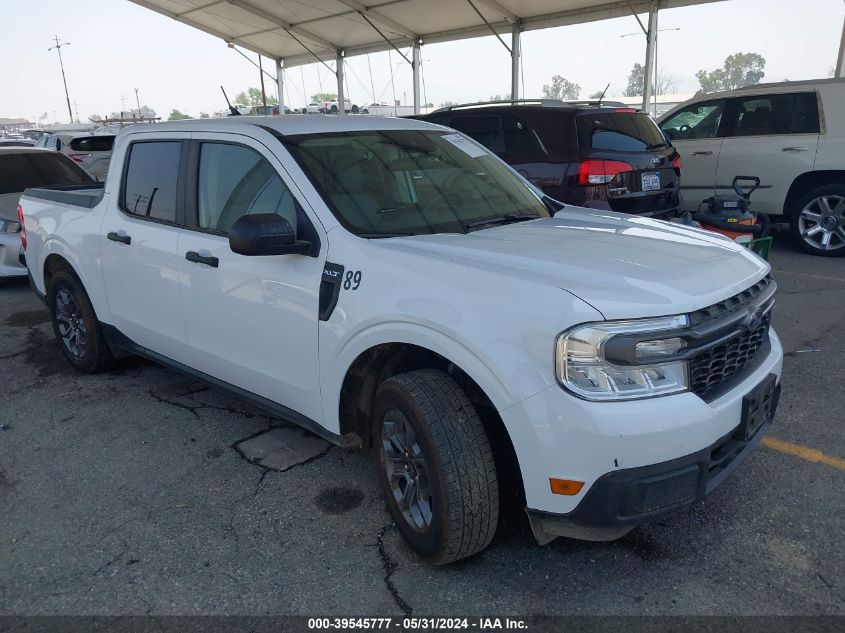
[(58, 47), (840, 61), (138, 102), (416, 68), (280, 85), (656, 65), (341, 102), (261, 74), (516, 51), (651, 40)]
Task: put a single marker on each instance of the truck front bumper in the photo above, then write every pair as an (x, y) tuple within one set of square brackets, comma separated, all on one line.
[(620, 500), (638, 459)]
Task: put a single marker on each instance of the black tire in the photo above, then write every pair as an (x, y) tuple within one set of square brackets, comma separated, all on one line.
[(451, 465), (75, 325), (833, 223), (354, 109), (334, 109), (365, 111)]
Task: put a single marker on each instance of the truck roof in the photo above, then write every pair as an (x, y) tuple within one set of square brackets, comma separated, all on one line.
[(287, 124)]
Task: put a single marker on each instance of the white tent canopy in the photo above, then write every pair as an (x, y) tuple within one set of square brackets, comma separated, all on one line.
[(302, 32)]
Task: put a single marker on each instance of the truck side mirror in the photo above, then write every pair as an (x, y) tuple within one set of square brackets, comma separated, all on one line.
[(266, 234)]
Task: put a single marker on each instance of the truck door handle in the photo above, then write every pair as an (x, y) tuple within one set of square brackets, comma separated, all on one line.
[(796, 149), (707, 153), (193, 256), (123, 239)]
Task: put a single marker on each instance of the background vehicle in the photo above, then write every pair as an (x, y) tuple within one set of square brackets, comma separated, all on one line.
[(332, 107), (91, 151), (16, 142), (584, 153), (22, 168), (312, 108), (791, 135), (389, 283)]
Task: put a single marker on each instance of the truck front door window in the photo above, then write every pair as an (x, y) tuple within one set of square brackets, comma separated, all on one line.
[(236, 181)]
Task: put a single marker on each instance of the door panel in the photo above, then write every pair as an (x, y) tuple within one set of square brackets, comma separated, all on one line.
[(774, 137), (698, 174), (138, 247), (251, 321)]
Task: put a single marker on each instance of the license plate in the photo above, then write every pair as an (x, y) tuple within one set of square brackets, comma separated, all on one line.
[(758, 407), (651, 181)]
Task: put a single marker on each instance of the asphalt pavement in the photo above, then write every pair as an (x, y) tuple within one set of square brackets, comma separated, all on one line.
[(130, 493)]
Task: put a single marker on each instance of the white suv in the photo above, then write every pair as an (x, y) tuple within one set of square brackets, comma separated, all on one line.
[(391, 283), (791, 135)]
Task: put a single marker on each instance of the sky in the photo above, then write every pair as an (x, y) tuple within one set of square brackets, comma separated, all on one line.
[(117, 46)]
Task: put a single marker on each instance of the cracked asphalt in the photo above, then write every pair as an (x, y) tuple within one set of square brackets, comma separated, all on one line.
[(124, 493)]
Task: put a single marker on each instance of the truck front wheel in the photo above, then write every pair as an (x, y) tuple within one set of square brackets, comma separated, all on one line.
[(436, 465), (76, 326)]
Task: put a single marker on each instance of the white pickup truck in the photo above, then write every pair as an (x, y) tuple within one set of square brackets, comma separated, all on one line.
[(389, 283)]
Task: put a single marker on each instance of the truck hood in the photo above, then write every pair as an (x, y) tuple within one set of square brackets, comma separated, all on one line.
[(624, 266)]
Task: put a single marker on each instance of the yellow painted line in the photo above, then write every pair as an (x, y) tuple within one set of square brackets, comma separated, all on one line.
[(824, 277), (802, 452)]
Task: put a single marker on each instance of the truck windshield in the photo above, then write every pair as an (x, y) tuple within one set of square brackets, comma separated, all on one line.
[(19, 171), (411, 182)]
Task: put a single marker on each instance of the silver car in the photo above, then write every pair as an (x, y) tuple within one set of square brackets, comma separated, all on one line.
[(22, 168), (91, 151)]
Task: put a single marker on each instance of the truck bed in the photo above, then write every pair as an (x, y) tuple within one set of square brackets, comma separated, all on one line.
[(86, 196)]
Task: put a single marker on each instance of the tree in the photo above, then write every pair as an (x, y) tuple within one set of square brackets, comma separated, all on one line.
[(561, 88), (175, 115), (252, 97), (597, 94), (740, 69), (203, 115), (665, 82), (323, 96)]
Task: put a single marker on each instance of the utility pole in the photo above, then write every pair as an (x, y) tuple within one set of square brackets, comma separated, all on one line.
[(76, 107), (122, 105), (138, 101), (58, 48), (261, 74)]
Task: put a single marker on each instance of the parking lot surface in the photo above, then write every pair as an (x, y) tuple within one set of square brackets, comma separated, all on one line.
[(131, 493)]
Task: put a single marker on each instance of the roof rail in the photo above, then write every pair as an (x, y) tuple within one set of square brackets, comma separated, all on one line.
[(787, 84), (553, 103), (472, 104)]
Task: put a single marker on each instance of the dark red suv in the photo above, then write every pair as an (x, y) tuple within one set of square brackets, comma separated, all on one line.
[(592, 154)]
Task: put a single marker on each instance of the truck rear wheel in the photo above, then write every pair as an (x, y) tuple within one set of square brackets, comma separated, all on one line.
[(436, 466), (76, 326)]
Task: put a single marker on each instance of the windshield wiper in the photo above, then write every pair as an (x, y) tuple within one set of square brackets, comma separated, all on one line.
[(510, 218), (372, 236)]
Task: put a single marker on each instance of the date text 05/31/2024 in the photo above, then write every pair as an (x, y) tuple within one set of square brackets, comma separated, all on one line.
[(421, 624)]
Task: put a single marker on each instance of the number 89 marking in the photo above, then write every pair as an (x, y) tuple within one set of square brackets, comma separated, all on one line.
[(352, 281)]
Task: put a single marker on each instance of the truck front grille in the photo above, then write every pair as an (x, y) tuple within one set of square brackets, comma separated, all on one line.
[(712, 367)]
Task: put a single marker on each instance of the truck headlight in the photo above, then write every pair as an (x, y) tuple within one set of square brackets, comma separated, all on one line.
[(642, 353), (10, 226)]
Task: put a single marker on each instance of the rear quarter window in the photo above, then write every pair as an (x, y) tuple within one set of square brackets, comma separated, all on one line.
[(93, 143), (618, 131)]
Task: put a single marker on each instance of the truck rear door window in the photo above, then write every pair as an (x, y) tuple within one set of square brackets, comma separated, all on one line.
[(618, 132), (150, 183), (790, 113)]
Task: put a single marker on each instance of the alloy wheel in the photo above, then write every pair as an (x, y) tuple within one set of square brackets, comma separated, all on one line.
[(71, 325), (822, 223), (407, 470)]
